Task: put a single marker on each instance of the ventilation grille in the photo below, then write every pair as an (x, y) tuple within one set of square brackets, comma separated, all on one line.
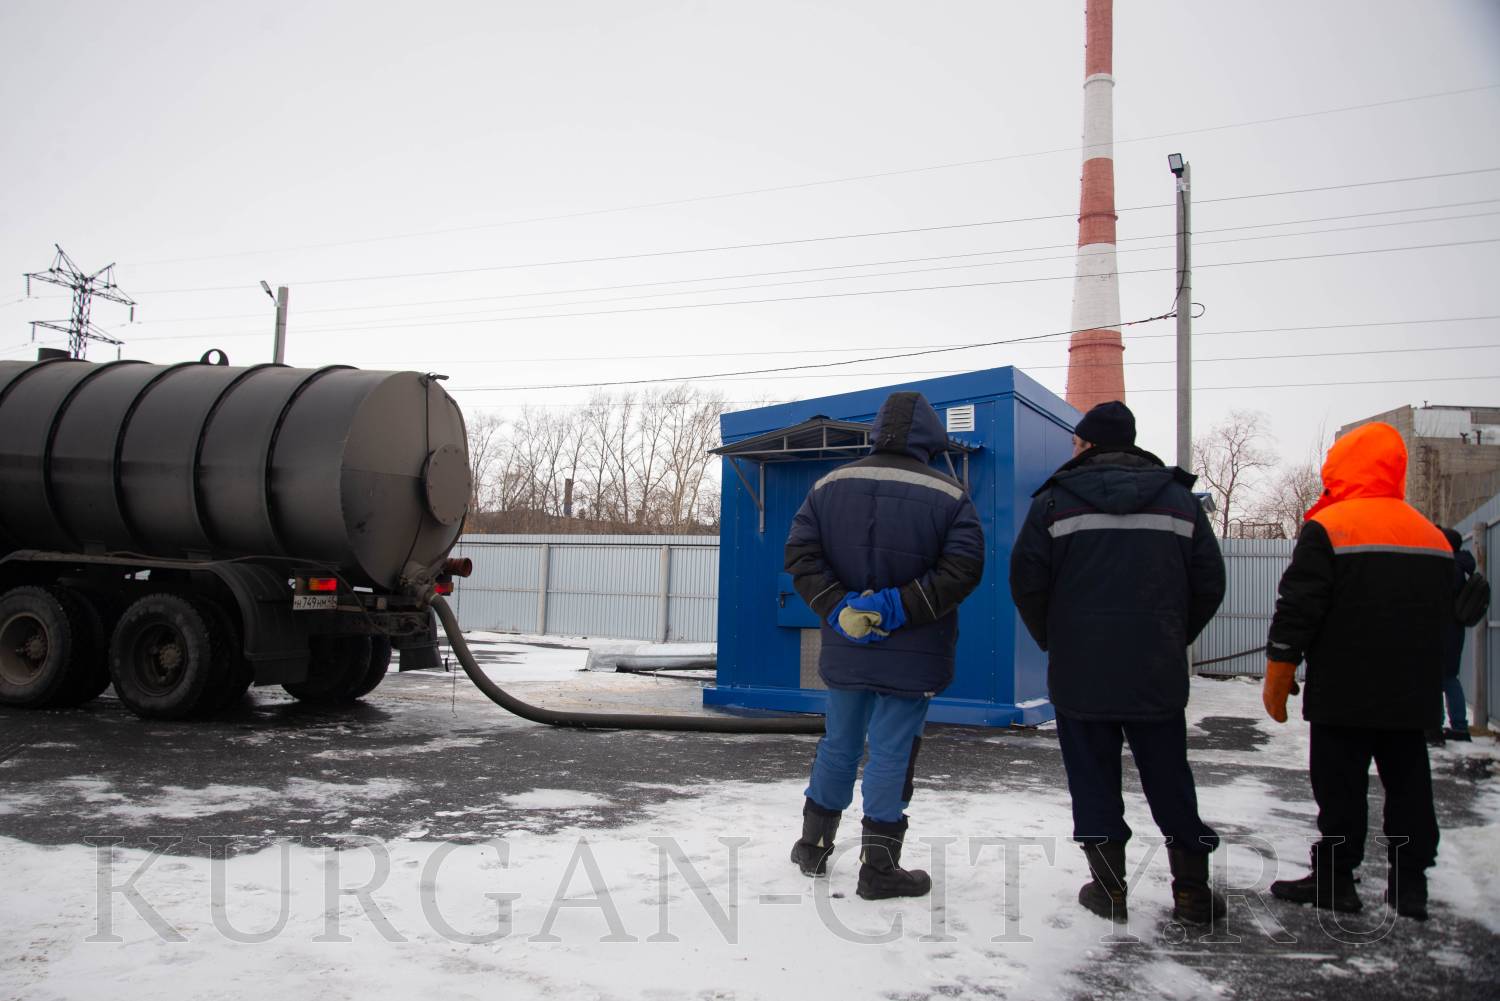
[(961, 418)]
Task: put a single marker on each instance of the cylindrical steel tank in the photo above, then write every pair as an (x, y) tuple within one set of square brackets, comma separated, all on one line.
[(364, 471)]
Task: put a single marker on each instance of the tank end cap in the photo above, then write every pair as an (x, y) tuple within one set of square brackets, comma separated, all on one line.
[(446, 480)]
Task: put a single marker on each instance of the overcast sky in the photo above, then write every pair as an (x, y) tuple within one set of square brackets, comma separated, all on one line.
[(207, 146)]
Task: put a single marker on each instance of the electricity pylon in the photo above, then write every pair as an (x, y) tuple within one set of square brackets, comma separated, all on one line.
[(84, 288)]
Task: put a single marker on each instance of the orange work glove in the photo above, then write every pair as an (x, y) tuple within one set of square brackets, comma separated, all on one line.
[(1281, 681)]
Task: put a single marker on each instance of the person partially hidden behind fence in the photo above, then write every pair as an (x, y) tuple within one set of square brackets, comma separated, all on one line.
[(1115, 572), (883, 550), (1366, 601), (1464, 569)]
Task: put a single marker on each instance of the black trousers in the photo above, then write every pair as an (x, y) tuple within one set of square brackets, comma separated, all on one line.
[(1091, 755), (1340, 770)]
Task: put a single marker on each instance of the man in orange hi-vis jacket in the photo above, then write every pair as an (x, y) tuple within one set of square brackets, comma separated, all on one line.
[(1365, 601)]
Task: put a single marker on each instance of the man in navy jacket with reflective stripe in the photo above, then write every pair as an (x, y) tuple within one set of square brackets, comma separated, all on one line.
[(883, 551), (1115, 573)]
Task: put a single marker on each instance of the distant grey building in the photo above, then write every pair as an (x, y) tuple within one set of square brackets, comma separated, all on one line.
[(1454, 457)]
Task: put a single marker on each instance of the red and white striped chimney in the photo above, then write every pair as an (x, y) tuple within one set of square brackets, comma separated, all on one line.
[(1096, 364)]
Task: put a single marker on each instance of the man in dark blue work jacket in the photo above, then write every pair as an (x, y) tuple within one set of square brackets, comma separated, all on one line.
[(883, 550), (1115, 573)]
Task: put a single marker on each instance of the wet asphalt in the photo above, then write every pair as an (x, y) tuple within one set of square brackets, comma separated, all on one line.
[(457, 756)]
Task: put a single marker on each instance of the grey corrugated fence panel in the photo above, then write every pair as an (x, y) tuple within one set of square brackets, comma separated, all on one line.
[(694, 606), (502, 593), (611, 586), (1492, 630), (1253, 568), (1489, 513), (596, 585)]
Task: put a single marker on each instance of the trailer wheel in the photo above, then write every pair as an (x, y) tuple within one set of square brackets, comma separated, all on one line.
[(337, 665), (89, 670), (37, 642), (235, 673), (380, 662), (165, 657)]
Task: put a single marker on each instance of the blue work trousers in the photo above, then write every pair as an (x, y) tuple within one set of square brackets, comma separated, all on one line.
[(892, 725), (1458, 711)]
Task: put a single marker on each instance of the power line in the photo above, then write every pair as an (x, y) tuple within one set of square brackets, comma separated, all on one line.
[(1153, 362), (643, 255), (1324, 385), (912, 354), (697, 199), (1152, 389), (811, 365), (831, 295), (870, 264), (679, 355), (484, 315)]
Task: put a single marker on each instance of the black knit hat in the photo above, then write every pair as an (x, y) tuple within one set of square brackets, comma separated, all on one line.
[(1109, 423)]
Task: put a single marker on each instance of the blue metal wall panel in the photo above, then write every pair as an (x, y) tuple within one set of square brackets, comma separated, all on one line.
[(1025, 433)]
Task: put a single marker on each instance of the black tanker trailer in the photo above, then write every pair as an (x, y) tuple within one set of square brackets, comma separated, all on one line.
[(185, 531)]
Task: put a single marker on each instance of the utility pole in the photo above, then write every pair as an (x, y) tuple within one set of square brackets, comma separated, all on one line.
[(278, 351), (1183, 306)]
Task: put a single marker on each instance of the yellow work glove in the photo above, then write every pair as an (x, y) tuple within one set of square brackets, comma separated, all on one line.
[(1281, 681), (860, 624)]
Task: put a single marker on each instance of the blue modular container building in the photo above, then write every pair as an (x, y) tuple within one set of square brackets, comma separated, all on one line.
[(1007, 434)]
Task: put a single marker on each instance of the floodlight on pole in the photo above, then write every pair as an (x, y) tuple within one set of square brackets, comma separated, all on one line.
[(278, 348), (1175, 163)]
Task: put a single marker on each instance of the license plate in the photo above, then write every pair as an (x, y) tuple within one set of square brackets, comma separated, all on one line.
[(313, 602)]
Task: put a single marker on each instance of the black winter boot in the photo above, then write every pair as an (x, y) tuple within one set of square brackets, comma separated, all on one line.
[(880, 872), (1331, 891), (819, 827), (1407, 892), (1193, 901), (1104, 893)]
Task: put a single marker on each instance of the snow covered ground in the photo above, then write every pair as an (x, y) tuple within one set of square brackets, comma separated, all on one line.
[(664, 890)]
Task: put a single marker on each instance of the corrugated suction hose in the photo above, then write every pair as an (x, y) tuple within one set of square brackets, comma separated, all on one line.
[(609, 721)]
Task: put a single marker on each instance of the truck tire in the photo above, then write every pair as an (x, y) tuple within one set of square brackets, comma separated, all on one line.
[(89, 671), (38, 639), (237, 673), (337, 666), (166, 657), (380, 662)]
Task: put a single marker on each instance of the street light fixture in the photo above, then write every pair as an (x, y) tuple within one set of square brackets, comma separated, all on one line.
[(279, 297), (1174, 163)]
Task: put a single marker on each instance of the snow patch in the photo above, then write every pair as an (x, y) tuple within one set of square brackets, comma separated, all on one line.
[(402, 750), (555, 799)]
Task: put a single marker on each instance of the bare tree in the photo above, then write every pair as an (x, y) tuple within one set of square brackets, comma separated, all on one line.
[(692, 429), (486, 456), (1286, 497), (638, 462), (1230, 459), (647, 461)]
